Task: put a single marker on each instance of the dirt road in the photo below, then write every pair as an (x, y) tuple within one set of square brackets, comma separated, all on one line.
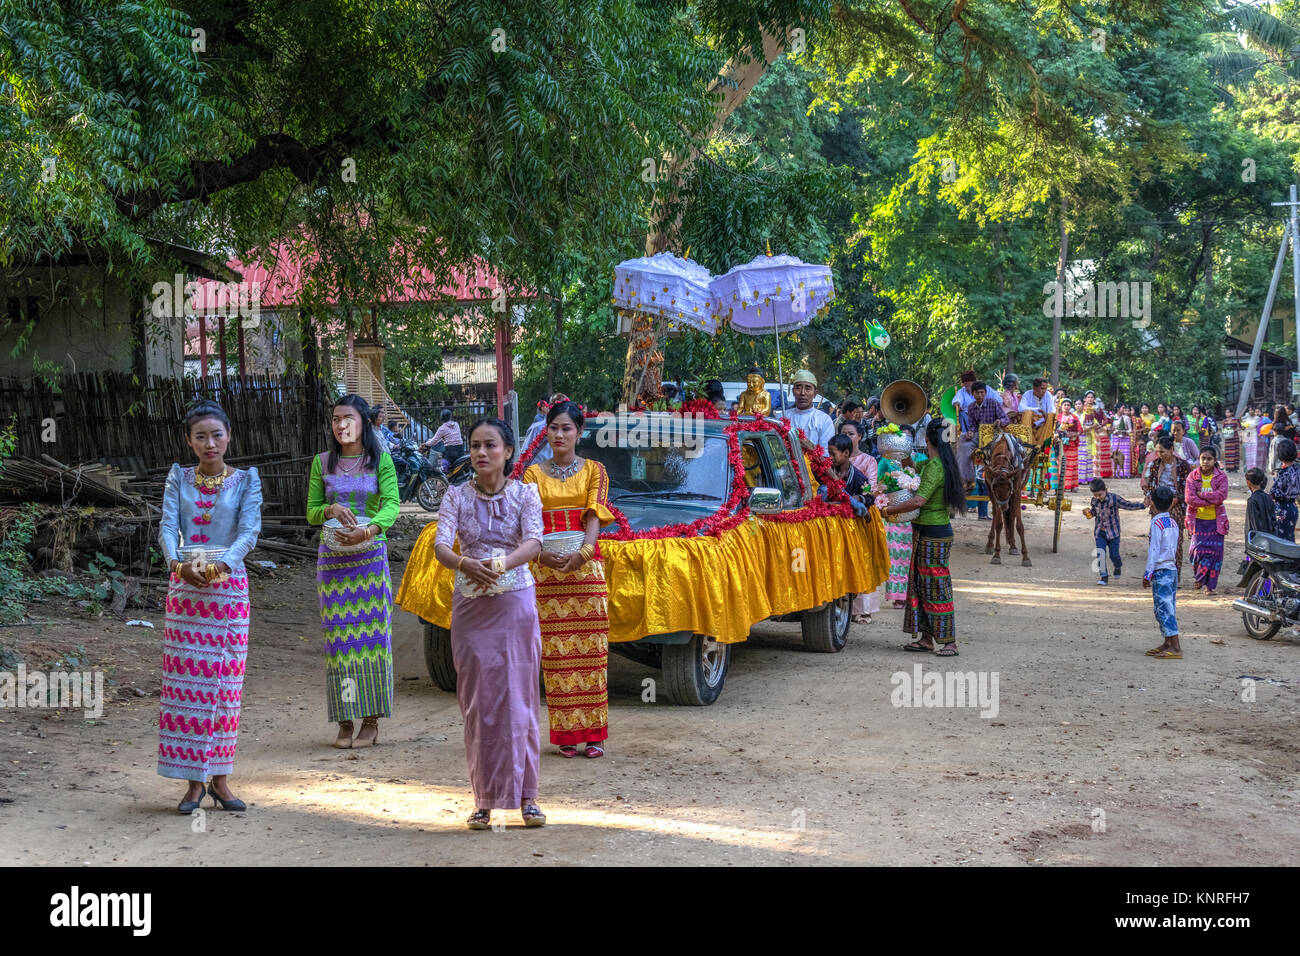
[(1097, 754)]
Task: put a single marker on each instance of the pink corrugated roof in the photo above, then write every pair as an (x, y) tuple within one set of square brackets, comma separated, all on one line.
[(281, 282)]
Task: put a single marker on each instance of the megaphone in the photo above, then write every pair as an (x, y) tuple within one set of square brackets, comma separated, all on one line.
[(903, 402)]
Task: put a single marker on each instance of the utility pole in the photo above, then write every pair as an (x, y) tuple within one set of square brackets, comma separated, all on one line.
[(1061, 263), (1290, 233), (1295, 266)]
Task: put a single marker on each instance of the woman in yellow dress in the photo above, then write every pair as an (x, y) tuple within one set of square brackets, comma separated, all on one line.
[(572, 600)]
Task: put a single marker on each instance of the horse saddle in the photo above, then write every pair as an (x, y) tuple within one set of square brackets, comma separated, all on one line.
[(1015, 450)]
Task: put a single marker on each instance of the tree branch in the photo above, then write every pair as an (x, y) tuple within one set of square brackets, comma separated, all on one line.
[(270, 151)]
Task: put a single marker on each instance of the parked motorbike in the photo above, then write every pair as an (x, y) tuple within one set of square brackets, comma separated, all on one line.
[(455, 472), (1271, 579), (417, 478)]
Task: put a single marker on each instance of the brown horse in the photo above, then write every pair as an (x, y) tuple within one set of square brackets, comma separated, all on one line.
[(1005, 470)]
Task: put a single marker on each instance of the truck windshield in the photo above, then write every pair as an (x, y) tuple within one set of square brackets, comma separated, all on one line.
[(669, 472)]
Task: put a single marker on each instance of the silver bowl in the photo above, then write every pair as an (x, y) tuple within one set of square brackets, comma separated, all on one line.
[(896, 446), (898, 497), (563, 543)]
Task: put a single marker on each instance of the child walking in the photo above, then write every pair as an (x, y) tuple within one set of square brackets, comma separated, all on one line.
[(1162, 574), (1105, 525), (1260, 513)]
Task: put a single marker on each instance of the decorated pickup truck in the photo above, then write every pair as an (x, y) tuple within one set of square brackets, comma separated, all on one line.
[(718, 526)]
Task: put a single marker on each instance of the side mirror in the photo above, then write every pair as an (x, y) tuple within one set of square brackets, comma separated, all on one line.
[(765, 501)]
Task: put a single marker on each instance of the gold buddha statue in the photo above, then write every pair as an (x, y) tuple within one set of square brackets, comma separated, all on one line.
[(755, 400)]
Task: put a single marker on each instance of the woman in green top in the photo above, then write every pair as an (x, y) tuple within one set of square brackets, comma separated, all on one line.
[(929, 610), (355, 483)]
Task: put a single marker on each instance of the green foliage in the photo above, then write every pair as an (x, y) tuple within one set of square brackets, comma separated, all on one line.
[(109, 580), (17, 584)]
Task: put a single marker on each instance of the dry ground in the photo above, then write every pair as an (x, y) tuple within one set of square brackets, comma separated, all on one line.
[(802, 760)]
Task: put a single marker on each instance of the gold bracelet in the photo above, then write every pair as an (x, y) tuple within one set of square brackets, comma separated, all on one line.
[(587, 552), (499, 564), (459, 563)]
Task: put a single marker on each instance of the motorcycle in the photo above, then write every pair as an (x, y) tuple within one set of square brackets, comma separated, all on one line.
[(454, 472), (417, 477), (1271, 579)]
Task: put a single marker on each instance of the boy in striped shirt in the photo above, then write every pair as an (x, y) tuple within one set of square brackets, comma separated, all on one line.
[(1162, 574)]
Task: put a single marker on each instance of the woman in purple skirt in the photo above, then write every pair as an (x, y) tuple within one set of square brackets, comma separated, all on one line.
[(496, 642)]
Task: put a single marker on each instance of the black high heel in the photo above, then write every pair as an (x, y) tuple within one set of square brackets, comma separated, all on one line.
[(189, 806), (235, 804)]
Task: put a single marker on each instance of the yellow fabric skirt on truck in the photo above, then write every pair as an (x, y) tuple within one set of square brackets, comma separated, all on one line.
[(716, 586)]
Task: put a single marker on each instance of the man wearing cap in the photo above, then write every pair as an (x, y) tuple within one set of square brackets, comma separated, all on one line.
[(816, 425)]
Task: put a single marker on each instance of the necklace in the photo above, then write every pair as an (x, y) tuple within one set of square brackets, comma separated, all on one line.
[(209, 483), (354, 467), (565, 472), (488, 494)]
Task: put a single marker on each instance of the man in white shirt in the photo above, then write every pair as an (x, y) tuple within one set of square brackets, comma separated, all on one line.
[(964, 399), (1038, 411), (816, 425)]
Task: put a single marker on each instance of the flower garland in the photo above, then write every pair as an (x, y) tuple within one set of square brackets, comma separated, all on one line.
[(702, 407), (526, 458), (735, 510)]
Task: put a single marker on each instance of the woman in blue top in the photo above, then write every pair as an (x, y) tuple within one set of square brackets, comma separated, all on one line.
[(212, 515)]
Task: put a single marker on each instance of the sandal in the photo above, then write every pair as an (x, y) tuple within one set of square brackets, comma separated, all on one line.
[(593, 750), (369, 735), (568, 750), (1168, 656), (533, 815), (947, 650), (917, 646), (344, 739), (1156, 650), (480, 820)]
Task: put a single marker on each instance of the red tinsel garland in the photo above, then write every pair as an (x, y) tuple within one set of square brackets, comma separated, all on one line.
[(735, 509), (701, 406), (522, 464)]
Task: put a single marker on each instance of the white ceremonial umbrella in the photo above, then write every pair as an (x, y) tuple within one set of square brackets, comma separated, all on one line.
[(670, 287), (773, 294)]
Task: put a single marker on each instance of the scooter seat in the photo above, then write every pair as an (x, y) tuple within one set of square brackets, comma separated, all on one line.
[(1274, 545)]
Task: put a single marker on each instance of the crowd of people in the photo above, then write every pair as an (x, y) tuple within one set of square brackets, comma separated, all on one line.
[(1182, 462), (519, 610)]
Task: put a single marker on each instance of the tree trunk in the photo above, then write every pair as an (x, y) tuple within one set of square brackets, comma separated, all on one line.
[(556, 340), (1009, 324), (643, 369), (1061, 261)]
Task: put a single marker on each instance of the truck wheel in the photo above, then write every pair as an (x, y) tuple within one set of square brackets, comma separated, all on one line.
[(1259, 627), (437, 656), (826, 629), (693, 673), (430, 492)]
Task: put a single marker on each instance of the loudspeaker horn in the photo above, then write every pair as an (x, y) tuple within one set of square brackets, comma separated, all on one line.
[(904, 402)]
